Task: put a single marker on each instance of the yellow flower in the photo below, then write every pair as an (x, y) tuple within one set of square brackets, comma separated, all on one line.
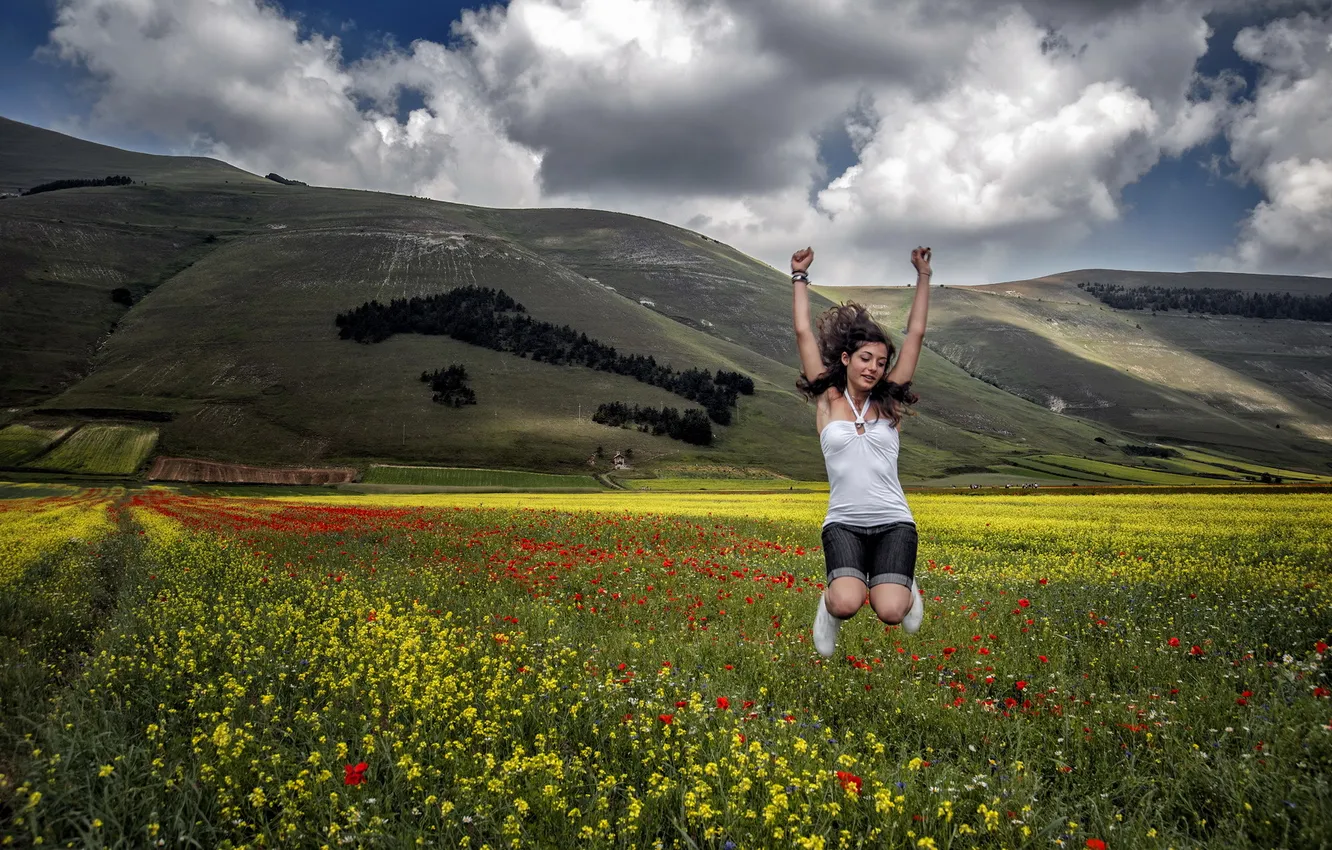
[(104, 771)]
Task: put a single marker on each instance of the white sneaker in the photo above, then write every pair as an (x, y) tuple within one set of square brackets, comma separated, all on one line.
[(911, 622), (826, 627)]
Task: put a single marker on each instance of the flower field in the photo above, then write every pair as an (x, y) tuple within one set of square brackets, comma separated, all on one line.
[(635, 670)]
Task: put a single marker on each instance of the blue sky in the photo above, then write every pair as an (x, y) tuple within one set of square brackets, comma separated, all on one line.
[(1169, 218)]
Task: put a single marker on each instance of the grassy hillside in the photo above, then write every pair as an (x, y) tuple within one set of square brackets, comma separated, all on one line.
[(230, 349), (435, 476), (238, 280), (1296, 284), (31, 156), (1261, 389)]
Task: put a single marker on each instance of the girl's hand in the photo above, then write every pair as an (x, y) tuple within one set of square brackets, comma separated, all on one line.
[(920, 258), (801, 259)]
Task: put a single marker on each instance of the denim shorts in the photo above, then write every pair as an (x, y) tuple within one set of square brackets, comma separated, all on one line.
[(880, 554)]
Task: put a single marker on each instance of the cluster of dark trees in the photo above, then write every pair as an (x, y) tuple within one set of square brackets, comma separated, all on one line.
[(1224, 302), (56, 185), (278, 178), (492, 319), (450, 386), (692, 426), (122, 295)]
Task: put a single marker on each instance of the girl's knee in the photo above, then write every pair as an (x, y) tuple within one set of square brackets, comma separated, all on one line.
[(891, 613)]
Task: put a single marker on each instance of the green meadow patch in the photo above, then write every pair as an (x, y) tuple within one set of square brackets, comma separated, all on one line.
[(101, 450), (439, 476), (19, 443), (747, 484)]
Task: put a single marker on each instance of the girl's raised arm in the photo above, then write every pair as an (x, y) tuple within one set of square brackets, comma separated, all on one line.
[(905, 366), (811, 363)]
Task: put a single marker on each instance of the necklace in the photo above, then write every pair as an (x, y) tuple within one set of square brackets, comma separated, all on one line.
[(860, 414)]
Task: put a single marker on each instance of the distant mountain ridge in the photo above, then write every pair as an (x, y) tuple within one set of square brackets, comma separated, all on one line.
[(235, 281)]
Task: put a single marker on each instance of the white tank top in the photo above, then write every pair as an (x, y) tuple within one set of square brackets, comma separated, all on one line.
[(862, 474)]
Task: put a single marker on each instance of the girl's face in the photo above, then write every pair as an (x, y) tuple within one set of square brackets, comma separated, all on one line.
[(865, 366)]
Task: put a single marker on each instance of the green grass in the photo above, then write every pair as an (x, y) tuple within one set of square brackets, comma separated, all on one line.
[(18, 443), (1178, 379), (627, 666), (437, 476), (235, 338), (1118, 471), (101, 450), (1063, 472), (676, 484), (997, 476), (1240, 468), (32, 490)]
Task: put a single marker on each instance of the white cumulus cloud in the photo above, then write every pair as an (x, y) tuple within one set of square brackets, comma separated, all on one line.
[(1282, 141), (990, 131), (237, 79)]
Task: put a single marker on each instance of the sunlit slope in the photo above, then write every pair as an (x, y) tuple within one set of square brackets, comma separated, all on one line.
[(1296, 284), (242, 347), (236, 281), (691, 278), (1260, 388)]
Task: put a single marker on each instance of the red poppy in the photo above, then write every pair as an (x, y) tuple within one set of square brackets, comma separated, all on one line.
[(1321, 647), (1044, 582), (1174, 641), (1025, 603), (1095, 844), (1044, 660), (749, 703), (1021, 684), (949, 650), (681, 703), (849, 781), (354, 774), (371, 617), (723, 703), (1195, 650), (668, 719)]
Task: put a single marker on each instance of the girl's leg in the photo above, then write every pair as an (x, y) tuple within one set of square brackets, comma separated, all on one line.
[(840, 601), (893, 593), (844, 597), (844, 552), (890, 602)]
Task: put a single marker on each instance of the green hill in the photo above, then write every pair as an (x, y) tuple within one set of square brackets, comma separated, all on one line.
[(1258, 388), (229, 348)]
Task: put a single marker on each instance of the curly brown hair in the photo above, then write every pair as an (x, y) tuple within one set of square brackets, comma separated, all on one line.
[(846, 328)]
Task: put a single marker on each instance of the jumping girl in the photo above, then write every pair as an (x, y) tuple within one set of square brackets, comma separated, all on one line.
[(869, 535)]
